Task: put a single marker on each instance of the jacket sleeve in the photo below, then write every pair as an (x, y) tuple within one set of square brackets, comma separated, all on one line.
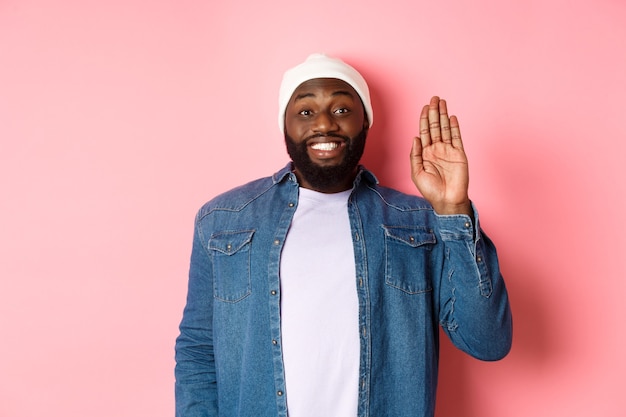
[(196, 386), (474, 305)]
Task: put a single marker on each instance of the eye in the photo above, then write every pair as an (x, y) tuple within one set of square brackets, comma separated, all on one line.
[(305, 112), (342, 110)]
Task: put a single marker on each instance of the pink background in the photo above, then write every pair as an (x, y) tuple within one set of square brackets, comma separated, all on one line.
[(118, 119)]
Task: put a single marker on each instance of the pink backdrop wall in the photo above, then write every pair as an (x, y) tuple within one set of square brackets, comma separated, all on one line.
[(119, 119)]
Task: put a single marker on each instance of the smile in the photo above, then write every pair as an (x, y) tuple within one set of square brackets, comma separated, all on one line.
[(325, 146)]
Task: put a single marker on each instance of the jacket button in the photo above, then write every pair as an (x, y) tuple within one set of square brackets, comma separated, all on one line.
[(273, 292), (279, 393)]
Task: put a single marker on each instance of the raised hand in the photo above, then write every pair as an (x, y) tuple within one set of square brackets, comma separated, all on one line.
[(438, 162)]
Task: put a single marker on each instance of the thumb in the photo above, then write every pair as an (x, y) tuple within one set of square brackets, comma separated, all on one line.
[(417, 163)]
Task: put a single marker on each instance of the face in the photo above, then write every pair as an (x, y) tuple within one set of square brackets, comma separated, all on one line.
[(325, 131)]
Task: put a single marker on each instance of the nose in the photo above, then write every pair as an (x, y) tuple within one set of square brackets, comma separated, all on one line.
[(325, 122)]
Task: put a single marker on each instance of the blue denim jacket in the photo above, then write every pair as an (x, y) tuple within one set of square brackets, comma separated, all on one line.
[(415, 271)]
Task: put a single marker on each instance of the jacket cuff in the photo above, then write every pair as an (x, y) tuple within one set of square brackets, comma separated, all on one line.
[(459, 226)]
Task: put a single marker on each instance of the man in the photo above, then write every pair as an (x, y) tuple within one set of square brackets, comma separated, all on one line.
[(318, 292)]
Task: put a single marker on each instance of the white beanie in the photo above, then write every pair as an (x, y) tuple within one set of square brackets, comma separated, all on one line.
[(321, 66)]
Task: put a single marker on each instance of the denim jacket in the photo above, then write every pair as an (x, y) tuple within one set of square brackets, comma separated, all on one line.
[(415, 271)]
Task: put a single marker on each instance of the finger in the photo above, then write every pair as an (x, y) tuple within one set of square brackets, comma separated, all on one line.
[(416, 155), (456, 133), (433, 120), (444, 121), (424, 129), (416, 159)]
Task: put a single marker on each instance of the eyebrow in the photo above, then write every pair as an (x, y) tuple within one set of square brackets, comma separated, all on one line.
[(335, 93)]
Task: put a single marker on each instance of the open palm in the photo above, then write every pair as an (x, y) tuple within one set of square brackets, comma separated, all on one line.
[(438, 162)]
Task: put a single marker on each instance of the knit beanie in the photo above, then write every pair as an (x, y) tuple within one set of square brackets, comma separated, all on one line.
[(321, 66)]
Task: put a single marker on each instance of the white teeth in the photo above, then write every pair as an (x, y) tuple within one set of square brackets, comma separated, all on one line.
[(325, 146)]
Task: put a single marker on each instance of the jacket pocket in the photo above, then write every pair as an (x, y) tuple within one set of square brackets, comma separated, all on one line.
[(230, 252), (407, 258)]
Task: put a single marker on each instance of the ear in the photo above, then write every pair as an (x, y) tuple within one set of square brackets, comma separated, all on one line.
[(366, 122)]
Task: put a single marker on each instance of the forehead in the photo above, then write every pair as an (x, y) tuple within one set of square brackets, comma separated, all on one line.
[(322, 87)]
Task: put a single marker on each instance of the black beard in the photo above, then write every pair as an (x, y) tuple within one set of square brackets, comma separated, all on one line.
[(326, 177)]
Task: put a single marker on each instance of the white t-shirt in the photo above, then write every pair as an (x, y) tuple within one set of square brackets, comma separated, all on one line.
[(319, 309)]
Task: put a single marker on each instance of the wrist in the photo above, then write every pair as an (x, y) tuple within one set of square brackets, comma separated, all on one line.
[(452, 209)]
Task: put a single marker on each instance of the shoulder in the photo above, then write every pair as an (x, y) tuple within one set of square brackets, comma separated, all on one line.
[(369, 190), (240, 197), (237, 198), (397, 199)]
